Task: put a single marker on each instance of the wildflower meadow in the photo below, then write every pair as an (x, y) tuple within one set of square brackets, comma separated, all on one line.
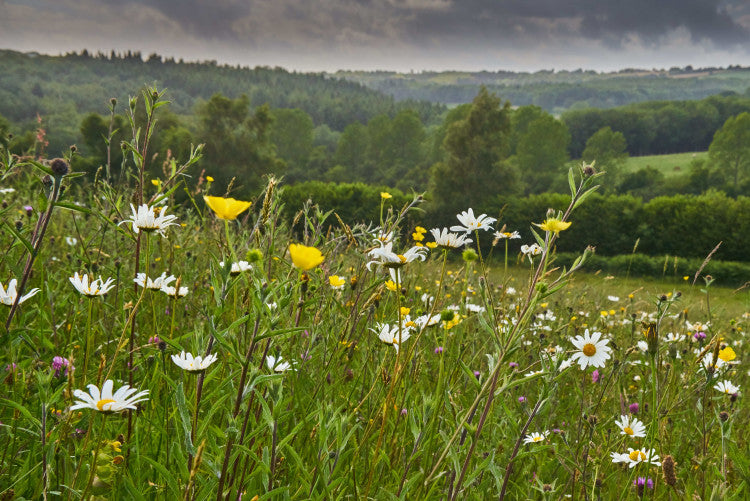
[(166, 341)]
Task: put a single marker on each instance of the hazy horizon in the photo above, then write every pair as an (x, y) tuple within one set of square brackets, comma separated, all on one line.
[(393, 35)]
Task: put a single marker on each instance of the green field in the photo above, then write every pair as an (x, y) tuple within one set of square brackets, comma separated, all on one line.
[(671, 165)]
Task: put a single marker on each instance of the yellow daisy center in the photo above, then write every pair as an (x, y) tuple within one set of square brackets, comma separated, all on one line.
[(537, 439), (589, 350), (628, 430), (101, 403), (402, 258), (637, 454)]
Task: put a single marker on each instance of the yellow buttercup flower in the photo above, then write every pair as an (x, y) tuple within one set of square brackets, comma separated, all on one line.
[(209, 179), (385, 195), (390, 285), (304, 257), (226, 208), (727, 354), (337, 282), (554, 225)]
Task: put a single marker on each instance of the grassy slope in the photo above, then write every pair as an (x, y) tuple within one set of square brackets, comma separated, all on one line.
[(670, 165)]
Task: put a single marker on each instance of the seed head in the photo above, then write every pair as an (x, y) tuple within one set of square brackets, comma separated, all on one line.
[(59, 167)]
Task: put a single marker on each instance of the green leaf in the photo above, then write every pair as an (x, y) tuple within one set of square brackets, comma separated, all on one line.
[(73, 207), (179, 397), (16, 234)]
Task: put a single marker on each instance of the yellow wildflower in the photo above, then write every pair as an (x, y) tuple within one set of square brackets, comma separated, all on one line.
[(554, 225), (390, 285), (727, 354), (226, 208), (209, 179), (304, 257), (385, 195)]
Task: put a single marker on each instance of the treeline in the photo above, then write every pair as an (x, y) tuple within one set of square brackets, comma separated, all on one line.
[(658, 127), (688, 226), (62, 90), (557, 91)]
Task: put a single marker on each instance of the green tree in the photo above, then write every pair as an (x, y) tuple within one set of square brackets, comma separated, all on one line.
[(237, 142), (351, 153), (541, 152), (730, 148), (609, 149), (292, 134), (476, 149)]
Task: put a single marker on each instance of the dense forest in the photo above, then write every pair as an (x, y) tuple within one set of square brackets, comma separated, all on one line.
[(557, 91)]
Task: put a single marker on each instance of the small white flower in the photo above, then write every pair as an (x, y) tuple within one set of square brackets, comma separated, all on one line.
[(673, 337), (238, 267), (71, 241), (423, 321), (189, 363), (727, 387), (145, 218), (475, 308), (448, 240), (530, 251), (613, 298), (535, 437), (594, 350), (5, 191), (502, 235), (8, 296), (97, 287), (105, 401), (427, 299), (510, 291), (633, 457), (272, 305), (390, 335), (631, 426), (276, 364), (471, 223), (155, 284), (384, 256), (642, 345), (173, 292)]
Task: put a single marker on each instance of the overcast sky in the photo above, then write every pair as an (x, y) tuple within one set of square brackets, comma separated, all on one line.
[(403, 35)]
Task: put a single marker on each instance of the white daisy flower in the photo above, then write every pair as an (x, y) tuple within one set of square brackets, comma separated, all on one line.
[(155, 284), (727, 387), (531, 250), (630, 425), (276, 364), (535, 437), (384, 256), (145, 218), (594, 350), (471, 223), (423, 320), (448, 240), (105, 401), (71, 241), (8, 296), (501, 235), (189, 363), (673, 337), (427, 299), (633, 457), (97, 287), (238, 267), (475, 308), (613, 298), (173, 291), (642, 346), (390, 335)]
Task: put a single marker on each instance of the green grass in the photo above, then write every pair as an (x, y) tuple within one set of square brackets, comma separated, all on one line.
[(671, 165)]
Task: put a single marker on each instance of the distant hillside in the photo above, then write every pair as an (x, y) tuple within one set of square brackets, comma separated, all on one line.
[(562, 90), (76, 84)]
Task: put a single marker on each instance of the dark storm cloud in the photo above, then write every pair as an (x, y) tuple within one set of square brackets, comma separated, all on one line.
[(613, 22)]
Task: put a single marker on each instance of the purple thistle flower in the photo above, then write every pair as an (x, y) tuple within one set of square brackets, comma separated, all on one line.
[(512, 365), (522, 399), (699, 336), (595, 376), (634, 408), (439, 350), (477, 374), (59, 363), (404, 412), (154, 340), (29, 210)]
